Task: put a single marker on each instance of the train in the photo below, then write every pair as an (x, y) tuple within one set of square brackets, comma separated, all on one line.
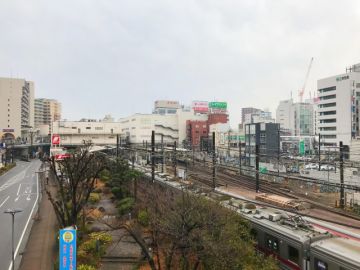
[(297, 245), (294, 242)]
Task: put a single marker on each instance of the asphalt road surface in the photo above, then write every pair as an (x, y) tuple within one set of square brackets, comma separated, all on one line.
[(18, 190)]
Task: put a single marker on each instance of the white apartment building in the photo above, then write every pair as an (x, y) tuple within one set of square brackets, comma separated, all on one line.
[(46, 112), (16, 107), (338, 107), (297, 118)]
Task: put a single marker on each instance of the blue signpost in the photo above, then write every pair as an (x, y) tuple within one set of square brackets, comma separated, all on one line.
[(67, 248)]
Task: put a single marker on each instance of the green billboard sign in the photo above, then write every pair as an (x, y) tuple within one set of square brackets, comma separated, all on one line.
[(218, 105), (302, 148)]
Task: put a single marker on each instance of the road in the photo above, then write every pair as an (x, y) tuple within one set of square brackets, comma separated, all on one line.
[(18, 189)]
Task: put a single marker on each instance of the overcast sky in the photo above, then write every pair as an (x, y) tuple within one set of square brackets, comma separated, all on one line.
[(116, 57)]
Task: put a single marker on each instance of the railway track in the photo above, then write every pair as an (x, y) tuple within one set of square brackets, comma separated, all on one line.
[(223, 177)]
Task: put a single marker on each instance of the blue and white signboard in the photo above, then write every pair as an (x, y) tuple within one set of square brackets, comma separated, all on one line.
[(67, 247)]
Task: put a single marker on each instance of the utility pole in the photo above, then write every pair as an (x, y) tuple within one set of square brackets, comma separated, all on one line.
[(193, 155), (175, 159), (257, 168), (146, 152), (229, 144), (162, 153), (342, 193), (319, 153), (240, 156), (117, 145), (153, 156), (278, 151), (214, 161)]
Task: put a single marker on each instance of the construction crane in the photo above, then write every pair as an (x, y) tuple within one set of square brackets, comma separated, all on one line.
[(302, 91)]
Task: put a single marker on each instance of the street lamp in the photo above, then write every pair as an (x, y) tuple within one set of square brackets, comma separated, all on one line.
[(13, 212)]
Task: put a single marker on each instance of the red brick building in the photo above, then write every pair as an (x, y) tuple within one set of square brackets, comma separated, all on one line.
[(195, 130), (218, 118)]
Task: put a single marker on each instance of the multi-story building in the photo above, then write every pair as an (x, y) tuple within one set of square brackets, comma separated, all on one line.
[(196, 131), (266, 136), (166, 107), (249, 110), (16, 107), (76, 132), (297, 118), (338, 107), (46, 112), (259, 117)]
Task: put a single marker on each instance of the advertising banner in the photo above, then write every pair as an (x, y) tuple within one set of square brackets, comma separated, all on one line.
[(218, 105), (200, 106), (67, 248), (55, 140)]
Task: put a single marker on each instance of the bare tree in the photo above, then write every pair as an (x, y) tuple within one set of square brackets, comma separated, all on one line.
[(75, 177)]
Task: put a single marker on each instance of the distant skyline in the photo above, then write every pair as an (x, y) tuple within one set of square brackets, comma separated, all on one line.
[(118, 57)]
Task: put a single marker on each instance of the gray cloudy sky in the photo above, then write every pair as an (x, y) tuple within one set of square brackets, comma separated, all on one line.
[(117, 56)]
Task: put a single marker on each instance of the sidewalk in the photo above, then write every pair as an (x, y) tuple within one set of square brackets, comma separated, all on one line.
[(41, 246)]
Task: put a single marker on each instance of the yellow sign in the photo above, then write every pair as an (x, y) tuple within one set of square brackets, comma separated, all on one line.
[(68, 237)]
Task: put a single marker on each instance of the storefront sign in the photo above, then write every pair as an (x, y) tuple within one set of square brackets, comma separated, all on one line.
[(55, 140)]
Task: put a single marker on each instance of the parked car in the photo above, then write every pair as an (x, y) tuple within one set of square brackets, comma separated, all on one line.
[(327, 167), (293, 169)]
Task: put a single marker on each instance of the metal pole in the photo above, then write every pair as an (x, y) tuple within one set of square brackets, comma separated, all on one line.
[(175, 159), (278, 152), (12, 242), (162, 153), (342, 193), (153, 156), (239, 155), (319, 152), (214, 160), (193, 156), (146, 152), (257, 168), (117, 145), (228, 144)]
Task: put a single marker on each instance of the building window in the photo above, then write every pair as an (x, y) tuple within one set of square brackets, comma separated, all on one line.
[(328, 129), (88, 127), (323, 90), (327, 97), (327, 105), (293, 254), (327, 121), (328, 113), (99, 128), (328, 136)]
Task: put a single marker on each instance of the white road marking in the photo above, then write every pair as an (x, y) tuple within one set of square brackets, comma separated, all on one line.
[(4, 201), (17, 194), (27, 223)]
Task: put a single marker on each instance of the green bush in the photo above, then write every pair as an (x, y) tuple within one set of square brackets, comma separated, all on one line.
[(118, 192), (125, 205), (85, 267), (103, 237), (143, 218), (94, 198)]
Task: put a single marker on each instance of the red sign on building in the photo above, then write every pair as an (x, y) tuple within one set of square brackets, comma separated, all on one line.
[(55, 140)]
